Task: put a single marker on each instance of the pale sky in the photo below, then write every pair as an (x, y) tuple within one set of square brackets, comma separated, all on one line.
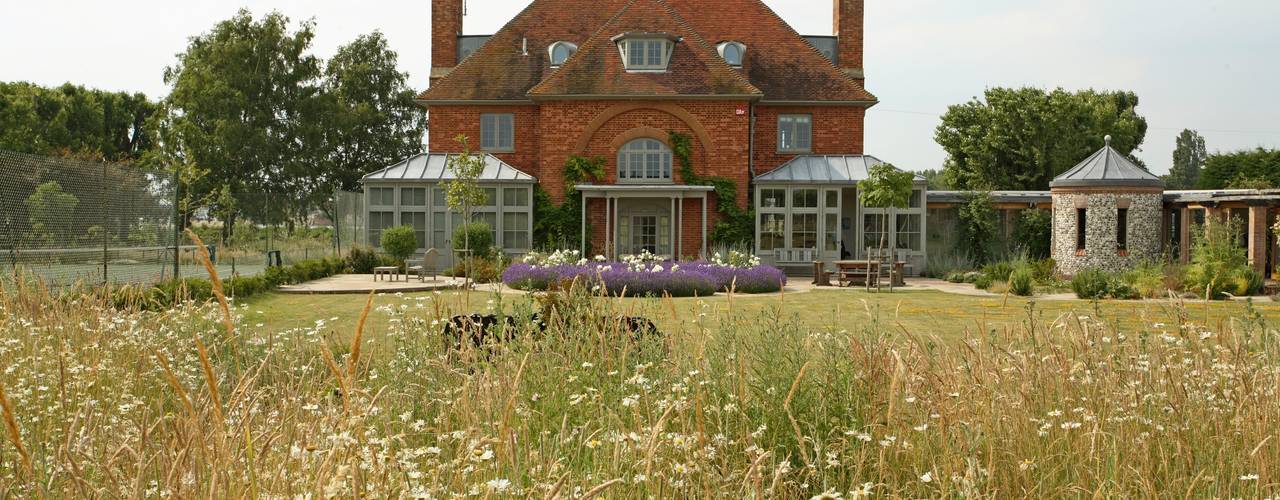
[(1210, 65)]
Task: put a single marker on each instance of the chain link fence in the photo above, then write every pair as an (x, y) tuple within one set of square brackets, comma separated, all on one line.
[(66, 221)]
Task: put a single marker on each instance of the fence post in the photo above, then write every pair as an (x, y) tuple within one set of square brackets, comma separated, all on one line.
[(177, 222), (102, 192)]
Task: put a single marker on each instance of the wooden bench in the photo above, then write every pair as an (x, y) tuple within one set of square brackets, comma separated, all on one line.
[(384, 271)]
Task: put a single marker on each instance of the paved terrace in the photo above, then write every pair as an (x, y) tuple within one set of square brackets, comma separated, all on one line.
[(364, 283)]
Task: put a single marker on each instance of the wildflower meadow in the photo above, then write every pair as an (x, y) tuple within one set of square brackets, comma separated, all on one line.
[(202, 401)]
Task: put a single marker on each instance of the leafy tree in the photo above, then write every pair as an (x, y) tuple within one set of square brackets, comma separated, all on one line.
[(464, 191), (244, 106), (1188, 161), (977, 227), (1034, 232), (887, 188), (73, 120), (51, 210), (1258, 168), (937, 179), (1023, 138)]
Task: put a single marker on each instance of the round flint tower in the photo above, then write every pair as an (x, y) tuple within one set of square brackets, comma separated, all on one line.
[(1106, 214)]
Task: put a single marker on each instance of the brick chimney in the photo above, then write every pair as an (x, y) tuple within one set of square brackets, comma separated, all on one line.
[(446, 26), (847, 26)]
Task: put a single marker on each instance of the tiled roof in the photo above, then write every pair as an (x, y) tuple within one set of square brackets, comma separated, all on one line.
[(501, 70), (434, 167), (779, 63), (1107, 167), (597, 68)]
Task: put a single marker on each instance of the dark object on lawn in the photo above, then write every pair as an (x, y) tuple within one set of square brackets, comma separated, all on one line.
[(484, 329), (638, 327)]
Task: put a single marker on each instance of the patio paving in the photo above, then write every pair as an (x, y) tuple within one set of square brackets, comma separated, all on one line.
[(364, 283)]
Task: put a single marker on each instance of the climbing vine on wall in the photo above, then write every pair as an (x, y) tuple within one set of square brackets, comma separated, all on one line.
[(736, 225), (560, 226)]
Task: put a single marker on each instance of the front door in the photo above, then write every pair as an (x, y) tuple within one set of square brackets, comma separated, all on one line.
[(644, 234)]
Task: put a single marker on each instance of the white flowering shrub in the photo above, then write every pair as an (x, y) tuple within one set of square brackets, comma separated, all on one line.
[(736, 259)]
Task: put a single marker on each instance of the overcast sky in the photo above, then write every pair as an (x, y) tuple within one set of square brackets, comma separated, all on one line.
[(1211, 65)]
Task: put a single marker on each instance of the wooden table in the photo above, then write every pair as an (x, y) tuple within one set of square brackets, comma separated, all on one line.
[(848, 270), (393, 271)]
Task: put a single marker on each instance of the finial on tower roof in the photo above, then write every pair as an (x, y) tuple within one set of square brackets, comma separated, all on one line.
[(1108, 139)]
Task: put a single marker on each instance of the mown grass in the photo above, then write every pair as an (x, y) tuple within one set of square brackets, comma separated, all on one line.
[(743, 397), (948, 316)]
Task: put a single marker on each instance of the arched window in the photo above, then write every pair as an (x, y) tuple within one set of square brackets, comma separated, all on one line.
[(561, 52), (732, 52), (644, 160)]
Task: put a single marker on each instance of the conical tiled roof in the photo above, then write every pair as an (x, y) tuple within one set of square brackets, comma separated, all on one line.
[(1107, 167)]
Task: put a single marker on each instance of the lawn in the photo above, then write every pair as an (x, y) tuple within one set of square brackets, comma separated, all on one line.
[(922, 312)]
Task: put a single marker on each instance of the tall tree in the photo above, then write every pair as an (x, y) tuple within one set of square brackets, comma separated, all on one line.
[(1188, 161), (1023, 138), (373, 122), (244, 107), (71, 120), (1252, 169)]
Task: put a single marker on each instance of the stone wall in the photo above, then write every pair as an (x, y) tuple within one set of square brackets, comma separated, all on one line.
[(1144, 230)]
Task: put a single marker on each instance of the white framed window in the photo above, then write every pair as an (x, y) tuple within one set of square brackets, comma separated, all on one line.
[(795, 133), (804, 218), (646, 54), (515, 197), (561, 52), (515, 230), (497, 132), (732, 52), (378, 221), (644, 160), (413, 197), (382, 197), (909, 232)]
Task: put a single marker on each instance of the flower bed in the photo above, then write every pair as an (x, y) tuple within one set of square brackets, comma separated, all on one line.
[(645, 274)]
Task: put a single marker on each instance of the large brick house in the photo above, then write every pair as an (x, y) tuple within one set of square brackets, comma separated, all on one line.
[(777, 113)]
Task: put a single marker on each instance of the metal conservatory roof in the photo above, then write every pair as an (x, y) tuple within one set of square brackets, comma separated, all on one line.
[(434, 167), (822, 169), (1107, 167)]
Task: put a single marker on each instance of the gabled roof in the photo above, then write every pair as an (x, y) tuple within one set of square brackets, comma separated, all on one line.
[(823, 169), (1107, 167), (597, 68), (434, 167), (779, 63), (503, 70)]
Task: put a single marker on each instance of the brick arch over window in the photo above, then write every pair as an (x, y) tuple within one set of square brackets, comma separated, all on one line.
[(639, 133), (699, 131)]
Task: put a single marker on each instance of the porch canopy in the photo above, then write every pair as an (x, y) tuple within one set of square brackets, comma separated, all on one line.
[(411, 193), (809, 209), (646, 217)]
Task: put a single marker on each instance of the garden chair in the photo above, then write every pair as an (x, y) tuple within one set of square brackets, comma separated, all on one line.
[(427, 263), (880, 267)]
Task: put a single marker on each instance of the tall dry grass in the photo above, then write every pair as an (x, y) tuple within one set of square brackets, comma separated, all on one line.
[(125, 404)]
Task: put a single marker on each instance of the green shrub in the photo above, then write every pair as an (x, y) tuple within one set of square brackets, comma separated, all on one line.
[(481, 270), (1147, 279), (475, 234), (1090, 284), (170, 292), (1219, 265), (362, 260), (983, 281), (1099, 284), (999, 271), (399, 242), (1022, 282), (1044, 271)]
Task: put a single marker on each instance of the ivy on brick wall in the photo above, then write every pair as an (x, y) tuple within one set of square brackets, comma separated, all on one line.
[(736, 225), (560, 226)]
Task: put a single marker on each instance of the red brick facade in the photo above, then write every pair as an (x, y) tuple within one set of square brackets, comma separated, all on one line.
[(781, 74)]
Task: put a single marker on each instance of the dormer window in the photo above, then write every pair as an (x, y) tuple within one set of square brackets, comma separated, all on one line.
[(561, 52), (732, 52), (645, 51)]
